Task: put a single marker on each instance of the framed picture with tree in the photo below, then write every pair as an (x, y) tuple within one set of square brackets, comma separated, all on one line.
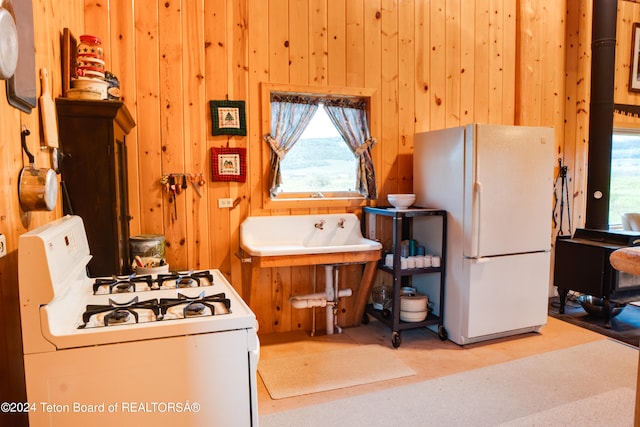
[(228, 118)]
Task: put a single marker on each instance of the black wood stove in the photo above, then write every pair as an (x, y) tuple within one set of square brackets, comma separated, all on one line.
[(582, 265)]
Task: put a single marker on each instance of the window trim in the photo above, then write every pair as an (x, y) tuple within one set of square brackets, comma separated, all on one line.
[(307, 200), (625, 129)]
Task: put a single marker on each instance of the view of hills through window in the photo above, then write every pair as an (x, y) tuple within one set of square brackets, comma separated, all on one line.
[(320, 160), (625, 175)]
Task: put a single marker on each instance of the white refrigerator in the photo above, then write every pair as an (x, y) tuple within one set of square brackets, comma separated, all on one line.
[(496, 183)]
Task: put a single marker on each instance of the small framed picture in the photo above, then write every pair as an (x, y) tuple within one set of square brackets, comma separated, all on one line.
[(229, 164), (634, 68), (228, 118)]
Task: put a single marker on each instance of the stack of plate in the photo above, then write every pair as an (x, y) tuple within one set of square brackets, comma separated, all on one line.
[(90, 65), (89, 80), (413, 308)]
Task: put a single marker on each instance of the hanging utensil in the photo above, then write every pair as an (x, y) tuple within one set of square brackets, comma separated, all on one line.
[(174, 192), (184, 182), (37, 188), (48, 112), (192, 179)]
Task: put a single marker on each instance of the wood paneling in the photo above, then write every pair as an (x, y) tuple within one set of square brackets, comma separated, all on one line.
[(578, 87), (430, 64)]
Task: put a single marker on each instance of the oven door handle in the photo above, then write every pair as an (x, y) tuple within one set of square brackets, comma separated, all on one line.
[(254, 357)]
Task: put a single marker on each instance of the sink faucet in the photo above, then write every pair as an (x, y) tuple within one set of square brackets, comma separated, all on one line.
[(320, 224), (341, 222)]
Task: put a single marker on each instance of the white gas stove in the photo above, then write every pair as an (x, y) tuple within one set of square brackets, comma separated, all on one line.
[(98, 349)]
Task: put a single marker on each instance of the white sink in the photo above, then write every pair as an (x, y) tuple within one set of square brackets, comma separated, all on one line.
[(303, 235)]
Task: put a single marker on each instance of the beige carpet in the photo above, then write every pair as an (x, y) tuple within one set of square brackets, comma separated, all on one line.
[(592, 411), (308, 373), (591, 384)]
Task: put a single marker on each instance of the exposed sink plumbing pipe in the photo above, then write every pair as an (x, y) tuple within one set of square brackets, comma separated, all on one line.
[(329, 299), (313, 310), (318, 299)]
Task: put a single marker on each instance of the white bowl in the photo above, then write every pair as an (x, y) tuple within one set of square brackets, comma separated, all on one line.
[(413, 316), (88, 93), (414, 303), (153, 271), (93, 84), (401, 201)]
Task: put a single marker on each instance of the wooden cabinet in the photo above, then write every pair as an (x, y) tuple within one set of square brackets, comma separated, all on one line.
[(94, 177)]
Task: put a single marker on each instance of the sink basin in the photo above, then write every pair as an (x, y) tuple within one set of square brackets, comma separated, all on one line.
[(303, 235)]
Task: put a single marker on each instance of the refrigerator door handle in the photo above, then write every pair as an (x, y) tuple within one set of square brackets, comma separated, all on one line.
[(478, 259), (475, 222)]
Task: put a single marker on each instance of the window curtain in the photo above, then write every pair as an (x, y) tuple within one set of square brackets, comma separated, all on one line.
[(350, 118), (290, 115)]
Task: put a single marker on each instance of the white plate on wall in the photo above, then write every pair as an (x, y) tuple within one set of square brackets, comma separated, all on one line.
[(8, 43)]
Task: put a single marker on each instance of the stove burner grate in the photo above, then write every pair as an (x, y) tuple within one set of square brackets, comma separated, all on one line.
[(195, 306), (188, 279), (173, 280), (118, 285), (119, 313)]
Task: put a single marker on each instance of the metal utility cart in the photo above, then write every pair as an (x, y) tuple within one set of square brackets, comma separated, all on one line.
[(403, 229)]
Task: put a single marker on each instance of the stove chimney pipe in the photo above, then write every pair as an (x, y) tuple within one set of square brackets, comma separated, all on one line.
[(603, 48)]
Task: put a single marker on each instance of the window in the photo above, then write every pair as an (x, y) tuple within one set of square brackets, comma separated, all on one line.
[(625, 174), (320, 162), (319, 144)]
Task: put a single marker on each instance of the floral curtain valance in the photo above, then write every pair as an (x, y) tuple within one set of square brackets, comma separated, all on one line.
[(332, 101), (294, 98)]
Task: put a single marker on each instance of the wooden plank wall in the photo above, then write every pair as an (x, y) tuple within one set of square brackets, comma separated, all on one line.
[(577, 87)]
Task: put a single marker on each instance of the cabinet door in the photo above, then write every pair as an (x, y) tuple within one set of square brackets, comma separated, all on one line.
[(88, 175), (580, 267), (121, 205)]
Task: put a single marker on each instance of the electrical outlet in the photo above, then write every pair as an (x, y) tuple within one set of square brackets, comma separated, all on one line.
[(225, 203), (3, 245)]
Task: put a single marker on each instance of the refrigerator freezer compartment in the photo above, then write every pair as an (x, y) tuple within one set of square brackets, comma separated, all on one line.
[(506, 293)]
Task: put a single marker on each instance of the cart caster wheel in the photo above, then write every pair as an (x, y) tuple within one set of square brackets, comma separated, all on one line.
[(442, 333), (395, 339), (365, 319)]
